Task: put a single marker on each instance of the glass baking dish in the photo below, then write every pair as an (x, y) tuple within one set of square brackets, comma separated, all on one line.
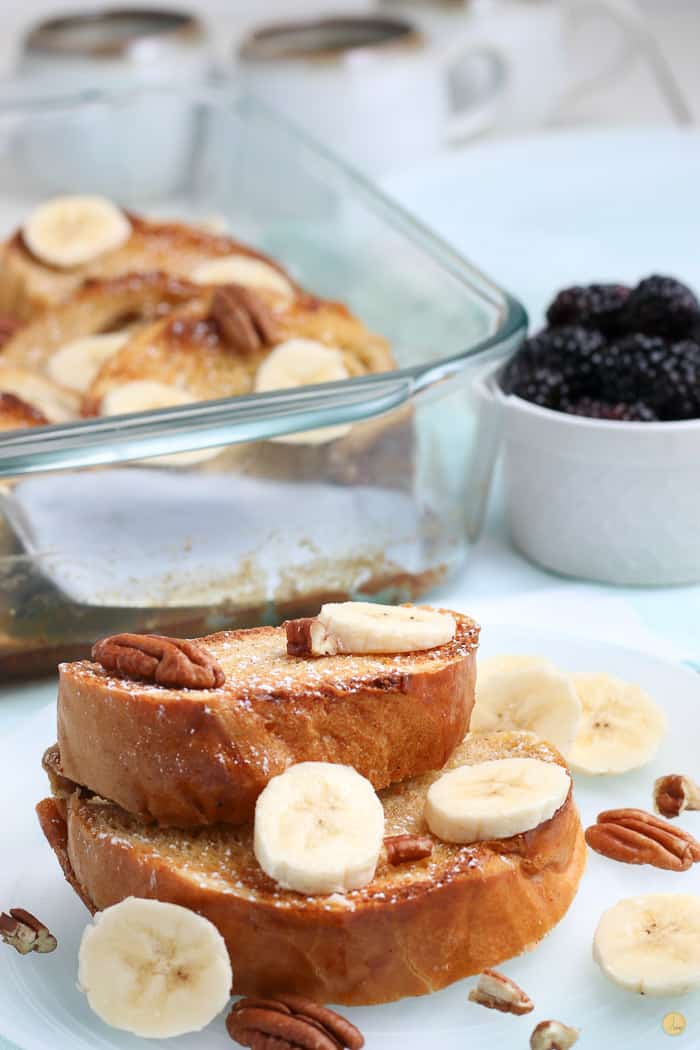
[(99, 534)]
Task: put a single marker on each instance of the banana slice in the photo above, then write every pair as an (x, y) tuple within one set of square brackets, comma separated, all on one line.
[(154, 969), (57, 404), (302, 362), (620, 729), (541, 700), (142, 395), (651, 944), (364, 627), (76, 364), (245, 270), (319, 828), (506, 663), (71, 231), (495, 799)]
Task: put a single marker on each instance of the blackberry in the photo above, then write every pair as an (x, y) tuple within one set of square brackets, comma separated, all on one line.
[(678, 392), (661, 306), (664, 376), (638, 412), (555, 364), (629, 370), (598, 306)]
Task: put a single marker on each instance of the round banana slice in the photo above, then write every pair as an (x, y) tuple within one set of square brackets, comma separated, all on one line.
[(538, 699), (495, 799), (505, 663), (76, 364), (319, 828), (245, 270), (651, 944), (621, 727), (72, 231), (143, 395), (303, 362), (154, 969), (365, 627)]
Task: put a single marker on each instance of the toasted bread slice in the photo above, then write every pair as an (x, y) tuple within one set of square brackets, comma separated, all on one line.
[(100, 305), (187, 349), (189, 757), (28, 286), (414, 929)]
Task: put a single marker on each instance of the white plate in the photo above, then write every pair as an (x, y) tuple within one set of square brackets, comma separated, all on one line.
[(545, 212), (40, 1006)]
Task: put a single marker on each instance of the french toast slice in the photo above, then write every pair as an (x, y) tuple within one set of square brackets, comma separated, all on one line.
[(414, 929), (99, 305), (188, 349), (55, 403), (186, 757), (28, 285)]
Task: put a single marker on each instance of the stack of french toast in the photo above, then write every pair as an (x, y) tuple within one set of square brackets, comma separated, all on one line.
[(313, 791), (103, 312)]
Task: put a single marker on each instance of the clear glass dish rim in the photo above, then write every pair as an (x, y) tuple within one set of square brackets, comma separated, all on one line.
[(115, 439)]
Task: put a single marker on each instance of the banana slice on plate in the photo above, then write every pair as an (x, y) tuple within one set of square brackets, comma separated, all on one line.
[(72, 231), (538, 699), (651, 944), (154, 969), (303, 362), (143, 395), (365, 627), (495, 799), (76, 364), (245, 270), (621, 727), (58, 404), (319, 828), (505, 663)]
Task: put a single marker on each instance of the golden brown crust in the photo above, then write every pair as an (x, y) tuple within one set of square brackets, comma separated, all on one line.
[(416, 928), (188, 757), (188, 348), (28, 286), (100, 305), (16, 413)]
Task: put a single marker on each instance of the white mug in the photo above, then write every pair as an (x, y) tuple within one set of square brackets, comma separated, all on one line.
[(373, 88)]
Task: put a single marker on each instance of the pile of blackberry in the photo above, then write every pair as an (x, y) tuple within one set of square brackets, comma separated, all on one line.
[(612, 352)]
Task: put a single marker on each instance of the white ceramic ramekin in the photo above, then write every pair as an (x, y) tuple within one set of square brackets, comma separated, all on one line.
[(606, 501)]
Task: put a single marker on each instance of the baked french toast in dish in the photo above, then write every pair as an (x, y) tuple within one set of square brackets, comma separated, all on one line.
[(112, 313)]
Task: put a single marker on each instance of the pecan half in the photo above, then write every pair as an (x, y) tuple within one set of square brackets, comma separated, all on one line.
[(173, 662), (403, 848), (243, 319), (308, 637), (290, 1022), (497, 992), (25, 932), (553, 1035), (634, 836), (674, 793)]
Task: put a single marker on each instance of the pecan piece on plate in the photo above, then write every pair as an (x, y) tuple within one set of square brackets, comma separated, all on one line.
[(307, 636), (674, 793), (25, 932), (497, 992), (290, 1022), (243, 319), (553, 1035), (174, 662), (403, 848), (634, 836)]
